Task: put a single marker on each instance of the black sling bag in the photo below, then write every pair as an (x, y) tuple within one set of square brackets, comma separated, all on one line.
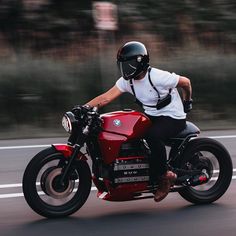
[(161, 102)]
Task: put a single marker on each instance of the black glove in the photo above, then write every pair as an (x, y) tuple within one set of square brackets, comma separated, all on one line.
[(79, 110), (188, 105)]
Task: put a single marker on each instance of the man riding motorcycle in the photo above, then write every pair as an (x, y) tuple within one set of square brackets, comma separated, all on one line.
[(127, 148), (156, 91)]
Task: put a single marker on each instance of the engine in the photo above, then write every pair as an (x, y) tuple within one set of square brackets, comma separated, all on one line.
[(133, 170), (133, 163)]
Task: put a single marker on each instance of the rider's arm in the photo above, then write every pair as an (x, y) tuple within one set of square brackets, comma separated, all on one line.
[(185, 84), (105, 98)]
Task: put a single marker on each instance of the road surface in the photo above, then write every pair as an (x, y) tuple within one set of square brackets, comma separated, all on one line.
[(172, 216)]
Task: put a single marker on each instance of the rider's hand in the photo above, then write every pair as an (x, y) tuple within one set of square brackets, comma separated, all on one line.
[(82, 107), (79, 110), (188, 105)]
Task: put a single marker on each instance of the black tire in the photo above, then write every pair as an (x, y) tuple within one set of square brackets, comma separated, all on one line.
[(201, 145), (38, 200)]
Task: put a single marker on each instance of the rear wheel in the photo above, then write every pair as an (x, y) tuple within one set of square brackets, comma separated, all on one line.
[(211, 158), (43, 190)]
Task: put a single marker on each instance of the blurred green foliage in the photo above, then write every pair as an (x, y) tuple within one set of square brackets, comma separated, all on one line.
[(199, 18)]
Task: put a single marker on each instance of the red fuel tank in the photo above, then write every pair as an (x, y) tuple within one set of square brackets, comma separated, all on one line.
[(132, 124)]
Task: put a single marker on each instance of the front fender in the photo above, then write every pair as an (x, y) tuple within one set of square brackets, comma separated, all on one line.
[(67, 151)]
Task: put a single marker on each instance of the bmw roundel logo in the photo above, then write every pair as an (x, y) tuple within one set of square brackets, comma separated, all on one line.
[(117, 122)]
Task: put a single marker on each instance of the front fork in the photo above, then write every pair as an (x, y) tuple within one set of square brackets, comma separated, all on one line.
[(72, 154), (69, 167)]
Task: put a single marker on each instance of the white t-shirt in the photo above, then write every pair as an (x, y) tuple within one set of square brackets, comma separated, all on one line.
[(163, 81)]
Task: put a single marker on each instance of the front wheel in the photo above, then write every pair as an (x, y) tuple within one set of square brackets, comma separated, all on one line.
[(211, 158), (43, 190)]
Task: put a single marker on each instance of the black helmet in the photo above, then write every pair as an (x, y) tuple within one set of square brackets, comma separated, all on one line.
[(132, 59)]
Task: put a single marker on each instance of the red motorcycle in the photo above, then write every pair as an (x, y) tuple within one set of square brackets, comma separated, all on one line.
[(57, 181)]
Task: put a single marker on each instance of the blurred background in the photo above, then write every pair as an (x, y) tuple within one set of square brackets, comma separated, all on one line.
[(55, 54)]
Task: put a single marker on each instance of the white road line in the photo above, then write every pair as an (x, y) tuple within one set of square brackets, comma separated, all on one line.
[(24, 147), (12, 195), (222, 137), (19, 185), (48, 145), (10, 185)]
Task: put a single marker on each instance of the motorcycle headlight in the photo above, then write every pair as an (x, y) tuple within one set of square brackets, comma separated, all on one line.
[(68, 121)]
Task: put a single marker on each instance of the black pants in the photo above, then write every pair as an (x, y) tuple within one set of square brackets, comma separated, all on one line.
[(163, 127)]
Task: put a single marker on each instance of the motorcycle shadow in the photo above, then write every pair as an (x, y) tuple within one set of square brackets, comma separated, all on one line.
[(128, 220)]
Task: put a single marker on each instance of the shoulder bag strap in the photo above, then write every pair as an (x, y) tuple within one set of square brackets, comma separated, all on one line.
[(132, 88), (149, 78), (150, 81)]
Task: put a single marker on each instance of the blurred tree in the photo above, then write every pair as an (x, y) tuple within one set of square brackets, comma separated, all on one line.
[(11, 21), (208, 21), (44, 24)]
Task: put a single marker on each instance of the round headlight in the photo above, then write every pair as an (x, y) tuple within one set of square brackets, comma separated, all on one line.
[(66, 123)]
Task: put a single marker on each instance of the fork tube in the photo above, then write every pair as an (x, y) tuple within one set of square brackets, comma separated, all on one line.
[(68, 166)]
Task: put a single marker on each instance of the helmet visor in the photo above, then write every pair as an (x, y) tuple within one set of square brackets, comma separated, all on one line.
[(128, 68)]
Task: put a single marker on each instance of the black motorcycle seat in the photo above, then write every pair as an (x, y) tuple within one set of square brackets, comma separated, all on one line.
[(190, 129)]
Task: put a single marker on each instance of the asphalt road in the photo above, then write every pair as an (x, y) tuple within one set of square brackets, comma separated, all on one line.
[(172, 216)]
